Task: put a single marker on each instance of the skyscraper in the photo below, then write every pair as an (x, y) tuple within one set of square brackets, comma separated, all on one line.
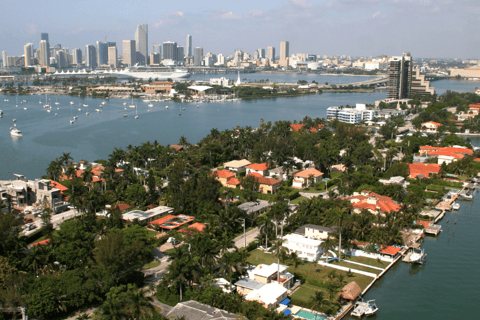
[(157, 48), (61, 58), (189, 45), (112, 57), (261, 53), (90, 56), (141, 42), (197, 56), (102, 51), (170, 50), (4, 58), (180, 54), (129, 52), (44, 53), (284, 50), (77, 56), (271, 54), (400, 77), (44, 36), (28, 54)]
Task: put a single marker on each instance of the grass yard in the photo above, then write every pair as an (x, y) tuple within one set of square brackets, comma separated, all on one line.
[(152, 264), (303, 295), (298, 200), (356, 266), (369, 261)]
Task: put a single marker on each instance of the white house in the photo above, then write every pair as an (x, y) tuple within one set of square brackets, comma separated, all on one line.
[(236, 165), (305, 248), (260, 168), (270, 295)]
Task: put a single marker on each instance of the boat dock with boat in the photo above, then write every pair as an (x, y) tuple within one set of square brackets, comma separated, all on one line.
[(364, 308)]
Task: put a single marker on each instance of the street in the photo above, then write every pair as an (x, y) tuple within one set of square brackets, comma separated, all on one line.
[(250, 236)]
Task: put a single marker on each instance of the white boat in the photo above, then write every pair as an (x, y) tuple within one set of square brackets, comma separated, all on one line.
[(14, 132), (24, 108), (56, 101), (79, 109), (24, 100), (98, 110), (124, 103), (85, 105), (166, 107), (125, 115), (417, 256), (132, 105), (72, 121), (56, 114), (150, 104), (75, 118), (456, 206), (1, 111), (14, 119), (103, 102), (48, 110), (87, 113), (364, 308), (71, 102), (46, 105)]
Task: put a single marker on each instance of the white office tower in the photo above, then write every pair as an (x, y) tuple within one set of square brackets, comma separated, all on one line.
[(170, 50), (197, 56), (28, 54), (90, 56), (238, 57), (284, 50), (220, 60), (189, 46), (141, 42), (261, 53), (77, 56), (129, 52), (61, 58), (112, 57), (157, 48), (44, 53), (4, 58)]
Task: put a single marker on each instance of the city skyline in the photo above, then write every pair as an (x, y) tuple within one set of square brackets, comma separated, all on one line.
[(434, 29)]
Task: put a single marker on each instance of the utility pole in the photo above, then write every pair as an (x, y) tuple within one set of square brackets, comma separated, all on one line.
[(244, 234)]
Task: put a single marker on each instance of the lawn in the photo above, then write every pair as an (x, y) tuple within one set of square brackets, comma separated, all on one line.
[(303, 295), (151, 264), (309, 272), (356, 266), (298, 200), (369, 261)]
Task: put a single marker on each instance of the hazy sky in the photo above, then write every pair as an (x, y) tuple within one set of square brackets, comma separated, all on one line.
[(426, 28)]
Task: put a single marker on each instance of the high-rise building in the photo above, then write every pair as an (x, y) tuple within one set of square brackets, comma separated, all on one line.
[(141, 43), (220, 59), (261, 53), (90, 56), (157, 48), (238, 57), (180, 54), (129, 52), (44, 36), (102, 51), (189, 45), (112, 57), (271, 54), (169, 50), (44, 53), (284, 50), (28, 54), (61, 59), (400, 77), (197, 56), (155, 58), (5, 58), (77, 56)]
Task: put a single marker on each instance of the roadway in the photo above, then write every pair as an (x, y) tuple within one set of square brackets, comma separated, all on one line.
[(250, 237), (56, 220)]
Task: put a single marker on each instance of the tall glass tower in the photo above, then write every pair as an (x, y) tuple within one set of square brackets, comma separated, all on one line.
[(141, 42)]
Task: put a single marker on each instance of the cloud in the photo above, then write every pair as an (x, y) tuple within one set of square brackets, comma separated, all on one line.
[(230, 15), (169, 18), (31, 28), (376, 14), (77, 30), (302, 3), (256, 12)]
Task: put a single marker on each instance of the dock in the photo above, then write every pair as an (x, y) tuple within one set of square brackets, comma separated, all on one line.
[(433, 229)]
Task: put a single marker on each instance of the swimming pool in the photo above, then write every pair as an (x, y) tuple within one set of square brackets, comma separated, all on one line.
[(308, 315)]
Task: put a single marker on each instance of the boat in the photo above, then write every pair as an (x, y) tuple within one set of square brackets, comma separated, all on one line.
[(1, 112), (166, 107), (124, 103), (75, 118), (150, 104), (87, 113), (79, 109), (456, 206), (46, 105), (183, 108), (14, 119), (98, 110), (71, 102), (72, 121), (364, 308), (14, 132), (136, 113), (24, 100), (24, 108), (125, 115), (132, 105), (418, 256), (197, 105), (56, 114), (103, 102), (56, 101), (48, 110), (85, 105)]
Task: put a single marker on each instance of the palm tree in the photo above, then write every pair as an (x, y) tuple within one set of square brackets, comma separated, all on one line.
[(327, 245), (138, 304), (87, 176), (65, 158), (295, 259), (317, 301), (54, 169)]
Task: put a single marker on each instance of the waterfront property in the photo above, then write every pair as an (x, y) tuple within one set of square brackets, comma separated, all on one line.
[(305, 248), (144, 217), (373, 202), (266, 185), (425, 170), (237, 165), (305, 178), (315, 232)]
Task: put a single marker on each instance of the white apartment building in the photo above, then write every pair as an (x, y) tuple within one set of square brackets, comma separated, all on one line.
[(305, 248), (351, 115)]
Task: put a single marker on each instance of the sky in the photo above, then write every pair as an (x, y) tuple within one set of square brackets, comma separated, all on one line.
[(426, 28)]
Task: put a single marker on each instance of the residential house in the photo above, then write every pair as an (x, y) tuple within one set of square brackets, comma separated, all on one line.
[(193, 310), (270, 295), (260, 168), (223, 176), (237, 165), (426, 170), (445, 155), (46, 193), (305, 177), (314, 231), (170, 222), (394, 180), (306, 248), (431, 126), (280, 174), (266, 185), (373, 202), (147, 216), (298, 127), (338, 168)]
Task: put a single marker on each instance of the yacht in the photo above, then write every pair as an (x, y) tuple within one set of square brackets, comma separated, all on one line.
[(456, 206), (98, 110), (150, 104), (418, 256), (166, 107), (85, 105), (132, 105), (72, 121), (125, 115), (14, 132), (87, 113), (71, 102), (364, 308), (1, 112), (46, 105)]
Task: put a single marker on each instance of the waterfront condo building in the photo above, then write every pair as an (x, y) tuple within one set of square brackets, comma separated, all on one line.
[(90, 56), (28, 54), (112, 57), (44, 53), (400, 77), (141, 43), (198, 56), (170, 50), (129, 53), (189, 46), (284, 52), (271, 54), (77, 56)]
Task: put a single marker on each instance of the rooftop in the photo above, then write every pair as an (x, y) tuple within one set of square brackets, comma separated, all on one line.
[(193, 310), (258, 166), (237, 163), (308, 173)]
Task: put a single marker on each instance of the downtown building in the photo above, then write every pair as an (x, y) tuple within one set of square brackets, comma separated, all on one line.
[(129, 52), (400, 77), (28, 54), (90, 56), (141, 43), (189, 46)]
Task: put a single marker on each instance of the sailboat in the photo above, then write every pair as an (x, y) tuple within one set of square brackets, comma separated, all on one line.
[(16, 106), (46, 105), (132, 105), (71, 120), (136, 113), (56, 100), (180, 111)]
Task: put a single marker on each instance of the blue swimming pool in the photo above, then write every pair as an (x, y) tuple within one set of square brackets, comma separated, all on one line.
[(310, 316)]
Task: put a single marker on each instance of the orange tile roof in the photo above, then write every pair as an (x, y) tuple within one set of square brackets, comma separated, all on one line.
[(223, 174), (433, 122), (425, 167), (424, 223), (297, 127), (58, 186), (122, 206), (40, 243), (476, 159), (233, 181), (166, 223), (390, 250), (382, 203), (258, 166), (197, 226), (262, 180), (309, 172)]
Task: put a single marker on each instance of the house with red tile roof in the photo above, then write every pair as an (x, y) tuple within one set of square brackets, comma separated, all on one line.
[(390, 251), (418, 169), (266, 185), (123, 207), (443, 154), (232, 183), (260, 168), (40, 243), (298, 127), (431, 126), (373, 202), (303, 178), (171, 222), (223, 176)]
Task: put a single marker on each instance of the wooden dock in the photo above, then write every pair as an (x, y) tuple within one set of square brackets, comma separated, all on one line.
[(434, 229)]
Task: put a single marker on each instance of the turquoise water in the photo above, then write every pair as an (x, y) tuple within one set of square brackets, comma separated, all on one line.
[(309, 315)]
